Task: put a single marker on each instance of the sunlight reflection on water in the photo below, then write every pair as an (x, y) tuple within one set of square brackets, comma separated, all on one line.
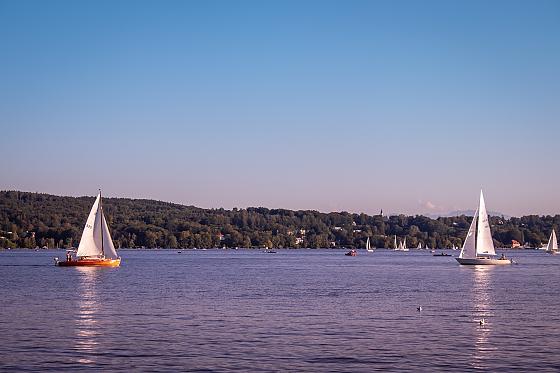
[(482, 280), (86, 342)]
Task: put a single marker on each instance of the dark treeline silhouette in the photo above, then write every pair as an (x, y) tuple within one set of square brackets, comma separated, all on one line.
[(30, 220)]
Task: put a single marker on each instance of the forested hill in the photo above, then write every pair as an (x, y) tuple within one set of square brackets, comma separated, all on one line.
[(35, 219)]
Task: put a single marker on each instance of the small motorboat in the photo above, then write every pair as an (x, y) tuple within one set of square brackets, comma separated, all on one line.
[(351, 253), (442, 254)]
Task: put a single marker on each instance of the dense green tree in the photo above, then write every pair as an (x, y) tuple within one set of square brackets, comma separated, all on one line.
[(34, 219)]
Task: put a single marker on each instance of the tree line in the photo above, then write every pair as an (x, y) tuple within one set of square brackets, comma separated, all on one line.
[(30, 220)]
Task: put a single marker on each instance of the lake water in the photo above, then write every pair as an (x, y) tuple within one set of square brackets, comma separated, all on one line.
[(297, 311)]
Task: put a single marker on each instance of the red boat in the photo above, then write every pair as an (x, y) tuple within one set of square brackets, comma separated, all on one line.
[(351, 253), (90, 262)]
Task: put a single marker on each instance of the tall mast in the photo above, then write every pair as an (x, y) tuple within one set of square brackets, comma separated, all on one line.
[(101, 210)]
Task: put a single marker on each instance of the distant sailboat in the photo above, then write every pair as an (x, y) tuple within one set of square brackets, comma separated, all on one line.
[(552, 247), (478, 248), (96, 246), (368, 246), (402, 246)]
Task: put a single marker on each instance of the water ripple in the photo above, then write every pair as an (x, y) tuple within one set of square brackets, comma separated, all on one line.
[(304, 311)]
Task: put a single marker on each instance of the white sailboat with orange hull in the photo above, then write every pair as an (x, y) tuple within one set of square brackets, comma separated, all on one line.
[(96, 246), (478, 248)]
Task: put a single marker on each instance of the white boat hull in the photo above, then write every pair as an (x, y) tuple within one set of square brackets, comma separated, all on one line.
[(483, 261)]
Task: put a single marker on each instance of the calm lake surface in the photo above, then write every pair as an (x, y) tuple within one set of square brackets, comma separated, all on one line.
[(297, 311)]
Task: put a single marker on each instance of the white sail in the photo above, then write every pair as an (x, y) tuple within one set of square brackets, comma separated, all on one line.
[(108, 247), (88, 245), (96, 240), (469, 246), (368, 245), (484, 242), (396, 247), (404, 244), (552, 243)]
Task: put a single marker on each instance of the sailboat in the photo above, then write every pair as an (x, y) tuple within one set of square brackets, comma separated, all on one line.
[(478, 248), (96, 246), (368, 246), (552, 247), (402, 245)]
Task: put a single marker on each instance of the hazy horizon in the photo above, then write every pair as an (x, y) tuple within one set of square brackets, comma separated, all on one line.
[(410, 107), (433, 214)]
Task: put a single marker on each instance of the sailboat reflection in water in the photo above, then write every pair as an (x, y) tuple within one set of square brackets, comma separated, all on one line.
[(482, 302), (86, 323)]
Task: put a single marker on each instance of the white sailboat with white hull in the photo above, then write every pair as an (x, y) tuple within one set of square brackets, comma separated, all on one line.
[(368, 246), (402, 245), (478, 248), (552, 247)]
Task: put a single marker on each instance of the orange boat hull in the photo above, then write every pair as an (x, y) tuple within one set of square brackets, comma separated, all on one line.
[(91, 263)]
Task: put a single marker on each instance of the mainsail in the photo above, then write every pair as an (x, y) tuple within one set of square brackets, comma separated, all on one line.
[(484, 242), (96, 240)]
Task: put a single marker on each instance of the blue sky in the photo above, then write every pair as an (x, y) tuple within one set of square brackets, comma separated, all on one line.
[(409, 106)]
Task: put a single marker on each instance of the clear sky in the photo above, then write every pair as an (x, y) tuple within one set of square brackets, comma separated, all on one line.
[(409, 106)]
